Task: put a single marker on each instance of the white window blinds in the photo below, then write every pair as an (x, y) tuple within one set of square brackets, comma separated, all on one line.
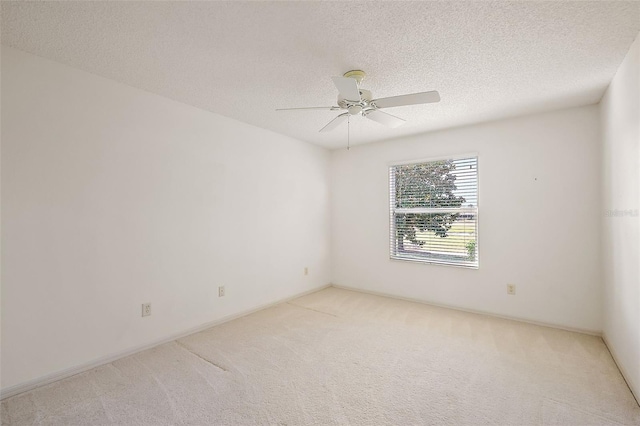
[(434, 211)]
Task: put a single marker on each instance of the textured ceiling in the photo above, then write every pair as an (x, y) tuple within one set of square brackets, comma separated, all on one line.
[(243, 60)]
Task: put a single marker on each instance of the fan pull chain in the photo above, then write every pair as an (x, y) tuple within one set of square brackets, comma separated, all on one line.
[(348, 132)]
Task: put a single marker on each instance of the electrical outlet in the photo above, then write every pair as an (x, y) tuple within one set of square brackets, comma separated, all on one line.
[(511, 289), (221, 291), (146, 309), (306, 270)]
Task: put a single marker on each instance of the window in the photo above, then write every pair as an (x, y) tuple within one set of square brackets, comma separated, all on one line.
[(434, 211)]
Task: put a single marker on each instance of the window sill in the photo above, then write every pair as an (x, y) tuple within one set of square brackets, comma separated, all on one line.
[(433, 262)]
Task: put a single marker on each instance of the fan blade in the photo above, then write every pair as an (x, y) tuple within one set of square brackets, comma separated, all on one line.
[(384, 118), (412, 99), (329, 108), (335, 122), (348, 88)]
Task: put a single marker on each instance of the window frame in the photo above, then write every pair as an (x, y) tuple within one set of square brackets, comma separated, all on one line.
[(393, 256)]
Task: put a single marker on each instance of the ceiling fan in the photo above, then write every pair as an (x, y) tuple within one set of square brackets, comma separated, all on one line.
[(357, 101)]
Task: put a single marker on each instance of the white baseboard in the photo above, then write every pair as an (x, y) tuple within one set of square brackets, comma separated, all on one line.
[(596, 333), (625, 374), (72, 371)]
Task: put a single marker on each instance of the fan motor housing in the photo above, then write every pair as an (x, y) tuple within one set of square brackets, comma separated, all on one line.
[(364, 104)]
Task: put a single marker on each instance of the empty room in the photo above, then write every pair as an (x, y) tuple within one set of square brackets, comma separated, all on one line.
[(320, 213)]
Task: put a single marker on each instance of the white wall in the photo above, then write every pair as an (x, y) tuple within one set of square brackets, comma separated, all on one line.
[(113, 197), (539, 219), (621, 237)]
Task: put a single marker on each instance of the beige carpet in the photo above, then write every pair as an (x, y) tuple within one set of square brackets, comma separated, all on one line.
[(343, 357)]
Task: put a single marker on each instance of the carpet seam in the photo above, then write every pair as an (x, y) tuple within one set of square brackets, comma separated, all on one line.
[(185, 347), (311, 309)]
